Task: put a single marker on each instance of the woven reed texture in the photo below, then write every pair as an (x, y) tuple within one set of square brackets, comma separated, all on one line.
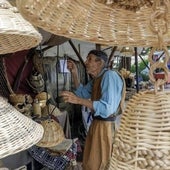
[(17, 98), (143, 138), (132, 5), (16, 33), (43, 96), (17, 132), (92, 21), (53, 134)]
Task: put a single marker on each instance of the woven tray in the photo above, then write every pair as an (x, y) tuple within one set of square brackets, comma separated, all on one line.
[(16, 33), (143, 140), (17, 132), (84, 20)]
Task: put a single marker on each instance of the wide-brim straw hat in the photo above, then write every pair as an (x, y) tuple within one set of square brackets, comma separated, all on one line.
[(93, 21), (16, 34), (17, 132), (143, 138)]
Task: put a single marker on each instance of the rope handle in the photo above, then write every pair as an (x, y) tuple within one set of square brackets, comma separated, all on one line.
[(159, 25)]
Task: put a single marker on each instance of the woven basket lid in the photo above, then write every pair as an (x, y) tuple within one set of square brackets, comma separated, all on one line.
[(17, 132), (53, 134), (16, 33), (92, 21), (143, 138)]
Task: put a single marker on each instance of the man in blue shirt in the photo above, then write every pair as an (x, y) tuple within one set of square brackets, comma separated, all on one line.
[(103, 95)]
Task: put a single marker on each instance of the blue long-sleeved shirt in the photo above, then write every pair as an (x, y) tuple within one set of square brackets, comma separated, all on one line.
[(111, 91)]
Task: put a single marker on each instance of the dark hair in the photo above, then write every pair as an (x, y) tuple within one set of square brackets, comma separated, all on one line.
[(100, 54)]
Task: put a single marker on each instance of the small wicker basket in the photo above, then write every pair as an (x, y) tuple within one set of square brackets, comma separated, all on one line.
[(17, 132), (53, 134), (16, 33), (17, 98), (43, 96)]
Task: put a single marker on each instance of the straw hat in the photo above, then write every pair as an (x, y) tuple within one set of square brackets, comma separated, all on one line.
[(142, 140), (17, 132), (92, 21), (16, 33)]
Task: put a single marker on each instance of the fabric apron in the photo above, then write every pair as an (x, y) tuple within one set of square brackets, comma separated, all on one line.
[(98, 146)]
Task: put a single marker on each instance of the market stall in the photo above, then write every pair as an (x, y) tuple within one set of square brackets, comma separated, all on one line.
[(142, 140)]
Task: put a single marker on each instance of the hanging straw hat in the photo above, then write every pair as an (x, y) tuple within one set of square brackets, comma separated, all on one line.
[(16, 33), (92, 21), (17, 132)]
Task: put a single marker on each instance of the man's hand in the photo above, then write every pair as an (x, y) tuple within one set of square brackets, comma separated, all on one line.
[(71, 66), (74, 71), (70, 97)]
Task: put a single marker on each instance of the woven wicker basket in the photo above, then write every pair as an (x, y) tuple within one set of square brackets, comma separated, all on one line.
[(17, 132), (17, 98), (53, 134), (92, 21), (43, 96), (132, 5), (16, 33), (143, 139)]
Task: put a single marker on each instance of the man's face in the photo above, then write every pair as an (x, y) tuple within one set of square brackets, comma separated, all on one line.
[(93, 65)]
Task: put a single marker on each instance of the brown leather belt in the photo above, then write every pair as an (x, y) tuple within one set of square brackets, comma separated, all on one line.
[(110, 118)]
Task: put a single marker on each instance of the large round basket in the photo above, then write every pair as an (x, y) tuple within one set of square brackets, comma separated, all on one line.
[(93, 21), (17, 132), (16, 33), (143, 139)]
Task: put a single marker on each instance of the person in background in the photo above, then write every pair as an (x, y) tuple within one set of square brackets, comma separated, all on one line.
[(103, 94)]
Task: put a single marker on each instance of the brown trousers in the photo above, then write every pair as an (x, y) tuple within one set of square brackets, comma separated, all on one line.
[(98, 146)]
